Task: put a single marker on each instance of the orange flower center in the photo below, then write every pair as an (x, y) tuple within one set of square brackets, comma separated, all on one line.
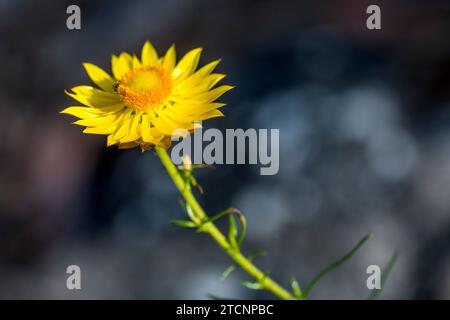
[(145, 88)]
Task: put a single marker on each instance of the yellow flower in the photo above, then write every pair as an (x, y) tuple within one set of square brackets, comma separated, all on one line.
[(149, 99)]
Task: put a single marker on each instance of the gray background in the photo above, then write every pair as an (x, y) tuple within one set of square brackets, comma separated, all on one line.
[(364, 119)]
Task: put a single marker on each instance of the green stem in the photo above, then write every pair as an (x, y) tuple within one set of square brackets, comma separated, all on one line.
[(210, 228)]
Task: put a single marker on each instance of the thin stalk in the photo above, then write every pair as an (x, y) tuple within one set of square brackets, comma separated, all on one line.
[(210, 228)]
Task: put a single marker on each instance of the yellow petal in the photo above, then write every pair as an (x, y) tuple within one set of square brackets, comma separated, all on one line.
[(96, 93), (189, 117), (207, 69), (148, 54), (179, 114), (169, 59), (199, 75), (207, 97), (98, 130), (169, 125), (93, 97), (121, 64), (91, 91), (135, 132), (191, 112), (85, 112), (97, 121), (196, 109), (136, 62), (187, 64), (92, 101), (205, 85), (163, 126), (108, 128), (123, 130), (145, 128), (99, 77), (213, 79), (211, 114), (79, 112), (212, 95), (110, 141), (109, 109), (149, 134)]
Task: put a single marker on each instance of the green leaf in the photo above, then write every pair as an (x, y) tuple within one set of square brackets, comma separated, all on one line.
[(186, 175), (252, 285), (233, 228), (384, 275), (296, 288), (232, 232), (190, 212), (220, 215), (334, 265), (183, 223), (258, 285), (182, 203), (227, 272), (243, 223), (215, 217), (258, 253)]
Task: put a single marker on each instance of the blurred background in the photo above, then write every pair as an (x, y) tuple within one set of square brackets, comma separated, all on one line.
[(364, 119)]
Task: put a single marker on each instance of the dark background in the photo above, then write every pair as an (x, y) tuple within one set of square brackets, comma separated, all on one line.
[(364, 119)]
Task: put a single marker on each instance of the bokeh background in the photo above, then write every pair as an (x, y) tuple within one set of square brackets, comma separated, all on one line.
[(364, 119)]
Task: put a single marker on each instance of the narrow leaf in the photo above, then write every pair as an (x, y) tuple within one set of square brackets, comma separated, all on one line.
[(227, 272), (296, 288), (232, 232), (190, 212), (214, 218), (335, 265), (384, 275), (252, 285), (184, 223), (243, 223), (258, 253), (220, 215), (182, 203)]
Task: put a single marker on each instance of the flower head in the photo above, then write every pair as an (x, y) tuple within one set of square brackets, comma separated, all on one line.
[(148, 100)]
